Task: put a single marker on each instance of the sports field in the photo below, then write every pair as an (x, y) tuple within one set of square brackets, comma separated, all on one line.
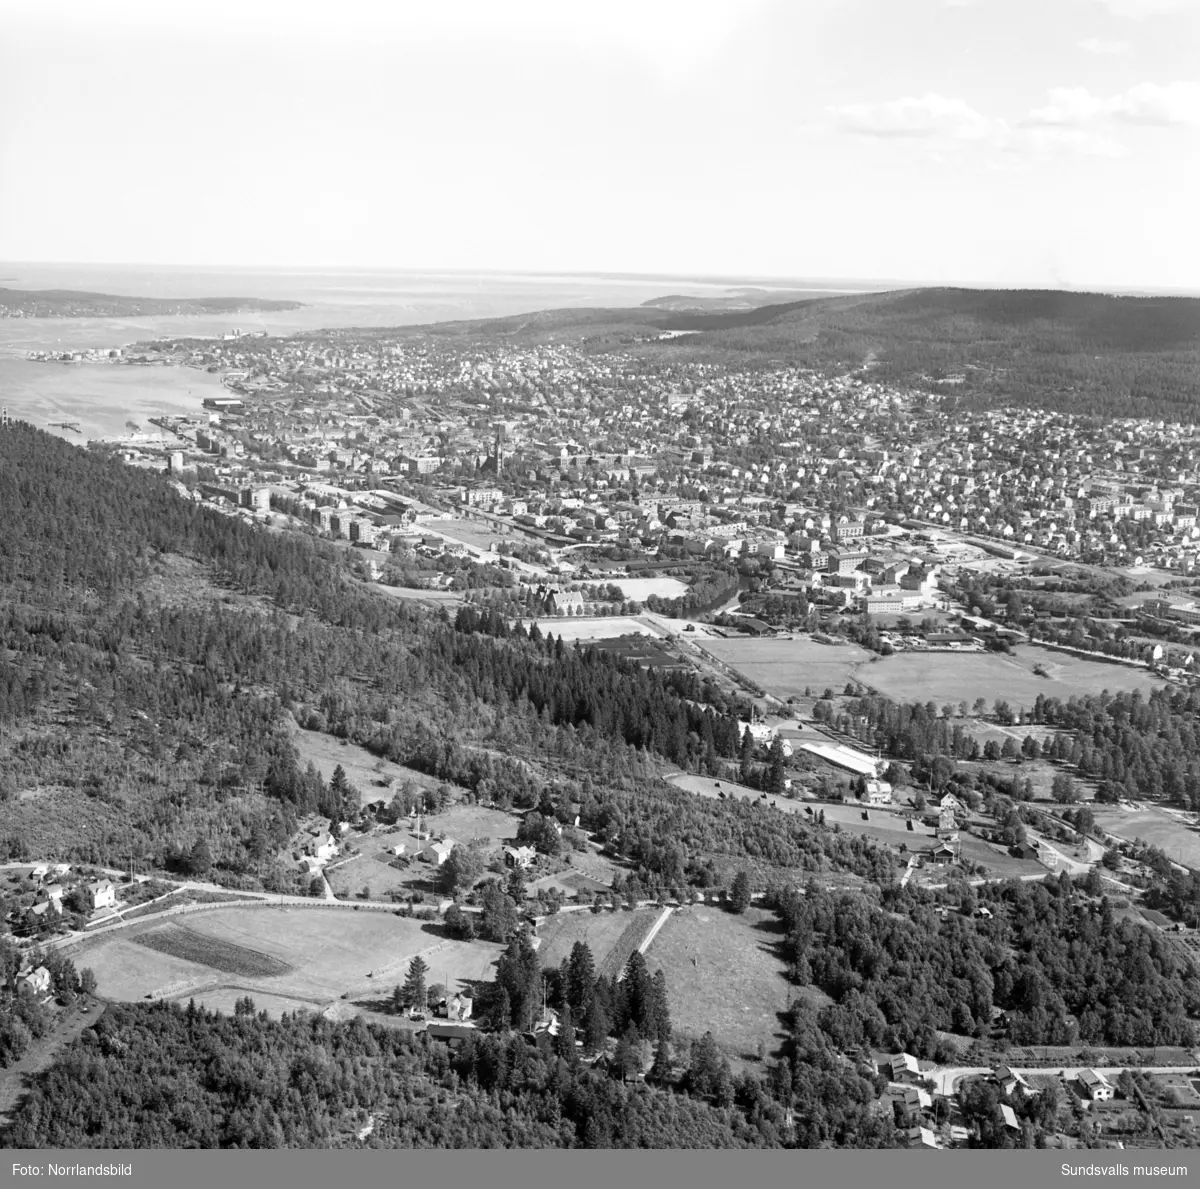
[(786, 667), (318, 953), (963, 677)]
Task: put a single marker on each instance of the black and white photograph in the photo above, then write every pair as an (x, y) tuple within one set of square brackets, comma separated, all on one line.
[(600, 574)]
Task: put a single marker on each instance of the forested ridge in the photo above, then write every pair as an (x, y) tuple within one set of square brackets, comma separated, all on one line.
[(1085, 353), (165, 720), (1060, 963)]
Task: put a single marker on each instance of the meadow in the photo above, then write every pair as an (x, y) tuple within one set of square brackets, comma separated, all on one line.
[(1177, 839), (376, 779), (725, 975), (603, 932)]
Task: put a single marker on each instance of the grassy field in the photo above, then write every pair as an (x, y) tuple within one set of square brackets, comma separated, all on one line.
[(363, 770), (786, 667), (949, 677), (601, 931), (327, 953), (1175, 838), (724, 975)]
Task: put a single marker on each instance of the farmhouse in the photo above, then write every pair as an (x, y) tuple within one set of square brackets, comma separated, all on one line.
[(36, 981), (944, 852), (321, 846), (438, 852), (1010, 1117), (459, 1008), (519, 856)]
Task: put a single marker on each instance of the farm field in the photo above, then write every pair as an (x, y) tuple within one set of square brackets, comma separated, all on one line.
[(601, 931), (786, 667), (947, 677), (599, 627), (724, 976), (1175, 838), (328, 952)]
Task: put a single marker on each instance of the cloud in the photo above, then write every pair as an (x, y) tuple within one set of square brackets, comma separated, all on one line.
[(1104, 47), (1139, 10), (1047, 142), (929, 117), (1173, 104)]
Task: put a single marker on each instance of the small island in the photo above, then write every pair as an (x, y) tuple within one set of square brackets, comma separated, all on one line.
[(69, 303)]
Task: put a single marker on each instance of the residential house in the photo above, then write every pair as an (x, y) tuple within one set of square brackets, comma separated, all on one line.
[(438, 852), (519, 856), (1095, 1086), (36, 981), (102, 893)]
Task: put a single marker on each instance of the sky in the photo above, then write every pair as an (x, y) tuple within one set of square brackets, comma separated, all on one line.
[(1050, 143)]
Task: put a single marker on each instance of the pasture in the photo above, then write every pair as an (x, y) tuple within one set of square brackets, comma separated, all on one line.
[(725, 975), (786, 667), (320, 954), (1174, 836)]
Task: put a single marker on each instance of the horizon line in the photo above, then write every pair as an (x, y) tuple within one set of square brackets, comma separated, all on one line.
[(860, 284)]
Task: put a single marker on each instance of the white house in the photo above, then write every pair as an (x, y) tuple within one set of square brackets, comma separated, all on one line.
[(102, 893), (438, 852), (1095, 1085)]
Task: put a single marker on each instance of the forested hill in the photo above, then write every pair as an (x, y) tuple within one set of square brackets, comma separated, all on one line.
[(70, 303), (1086, 353), (155, 656), (1074, 352)]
